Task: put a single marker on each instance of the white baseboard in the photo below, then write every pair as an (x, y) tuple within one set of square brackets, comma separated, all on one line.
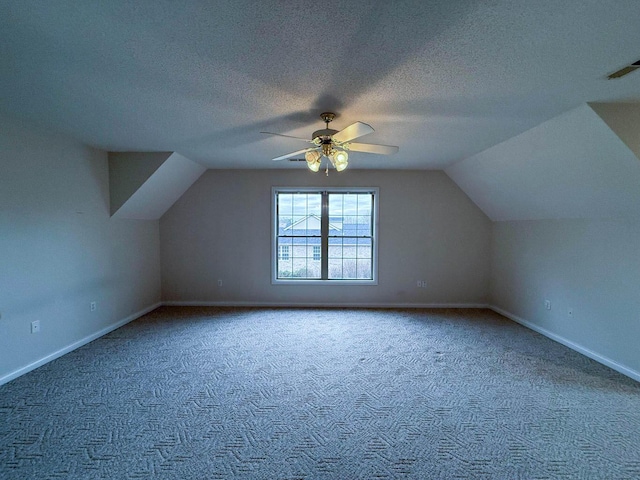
[(568, 343), (78, 344), (177, 303)]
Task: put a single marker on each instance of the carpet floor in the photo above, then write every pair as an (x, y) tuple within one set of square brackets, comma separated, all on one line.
[(216, 393)]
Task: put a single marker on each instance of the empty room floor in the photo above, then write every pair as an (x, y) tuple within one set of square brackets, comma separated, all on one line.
[(320, 393)]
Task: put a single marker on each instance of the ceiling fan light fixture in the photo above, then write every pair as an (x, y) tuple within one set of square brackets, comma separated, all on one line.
[(314, 167), (339, 158), (334, 145), (313, 158)]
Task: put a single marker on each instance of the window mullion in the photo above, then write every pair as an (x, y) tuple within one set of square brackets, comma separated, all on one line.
[(324, 237)]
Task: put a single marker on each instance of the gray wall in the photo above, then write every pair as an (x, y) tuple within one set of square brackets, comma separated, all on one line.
[(59, 250), (589, 266), (429, 230)]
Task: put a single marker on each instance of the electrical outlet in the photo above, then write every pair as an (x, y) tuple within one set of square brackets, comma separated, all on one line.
[(219, 283), (418, 283), (35, 326), (93, 306), (547, 304), (424, 284)]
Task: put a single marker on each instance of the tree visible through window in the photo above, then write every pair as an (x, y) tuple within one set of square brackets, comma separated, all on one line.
[(327, 235)]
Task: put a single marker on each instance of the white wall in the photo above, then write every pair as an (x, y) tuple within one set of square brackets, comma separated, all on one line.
[(572, 166), (590, 266), (221, 227), (565, 198), (59, 250)]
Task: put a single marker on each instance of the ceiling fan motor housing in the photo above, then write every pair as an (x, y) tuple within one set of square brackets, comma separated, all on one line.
[(324, 134)]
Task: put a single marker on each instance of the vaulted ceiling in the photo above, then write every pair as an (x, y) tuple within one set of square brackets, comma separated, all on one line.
[(444, 80)]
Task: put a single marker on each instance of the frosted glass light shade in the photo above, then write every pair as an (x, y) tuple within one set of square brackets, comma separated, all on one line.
[(340, 158), (313, 158)]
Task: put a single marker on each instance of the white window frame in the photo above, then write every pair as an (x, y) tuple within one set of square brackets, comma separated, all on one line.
[(274, 234)]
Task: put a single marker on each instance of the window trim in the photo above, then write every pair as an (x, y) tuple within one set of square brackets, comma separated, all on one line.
[(274, 234)]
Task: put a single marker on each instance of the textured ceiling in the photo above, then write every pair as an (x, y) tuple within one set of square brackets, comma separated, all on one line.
[(443, 80)]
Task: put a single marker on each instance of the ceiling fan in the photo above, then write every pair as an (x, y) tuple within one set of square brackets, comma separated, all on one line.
[(335, 145)]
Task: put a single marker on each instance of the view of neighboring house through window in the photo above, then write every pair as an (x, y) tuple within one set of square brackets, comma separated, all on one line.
[(283, 252), (324, 235)]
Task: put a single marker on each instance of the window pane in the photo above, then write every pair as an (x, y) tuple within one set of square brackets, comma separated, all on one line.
[(335, 205), (365, 202), (284, 257), (299, 251), (313, 269), (364, 269), (349, 269), (300, 204), (349, 204), (285, 202), (349, 248), (364, 248), (364, 225), (335, 268), (335, 248)]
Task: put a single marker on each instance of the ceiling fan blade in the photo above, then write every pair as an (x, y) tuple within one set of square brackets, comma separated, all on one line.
[(353, 131), (371, 148), (288, 136), (293, 154)]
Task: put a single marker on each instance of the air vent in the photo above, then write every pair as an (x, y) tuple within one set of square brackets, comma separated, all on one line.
[(625, 70), (297, 160)]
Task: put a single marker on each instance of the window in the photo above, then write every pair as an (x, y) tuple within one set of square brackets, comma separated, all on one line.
[(325, 235)]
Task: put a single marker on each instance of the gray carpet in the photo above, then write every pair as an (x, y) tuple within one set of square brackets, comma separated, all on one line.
[(211, 393)]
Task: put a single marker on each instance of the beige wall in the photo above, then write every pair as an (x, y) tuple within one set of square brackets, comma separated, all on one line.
[(221, 229), (589, 266), (59, 250)]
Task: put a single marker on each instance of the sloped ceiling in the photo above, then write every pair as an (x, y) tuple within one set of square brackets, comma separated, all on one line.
[(147, 184), (443, 80), (128, 171), (573, 166), (624, 119)]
